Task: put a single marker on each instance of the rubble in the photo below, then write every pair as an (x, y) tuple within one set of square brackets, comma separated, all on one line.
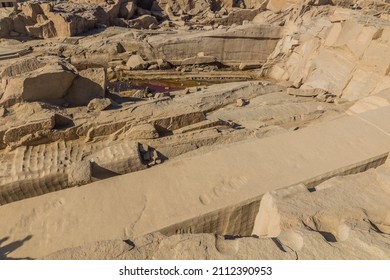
[(99, 104)]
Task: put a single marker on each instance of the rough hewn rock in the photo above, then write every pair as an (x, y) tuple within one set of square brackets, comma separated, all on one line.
[(28, 132), (80, 173), (99, 104), (49, 83), (143, 22), (220, 44), (42, 30), (136, 62), (145, 131), (128, 9), (349, 61), (90, 84)]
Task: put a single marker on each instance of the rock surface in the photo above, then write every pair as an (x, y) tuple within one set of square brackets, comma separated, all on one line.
[(195, 129)]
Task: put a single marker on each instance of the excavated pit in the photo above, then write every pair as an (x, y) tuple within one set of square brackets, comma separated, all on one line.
[(159, 85), (164, 81)]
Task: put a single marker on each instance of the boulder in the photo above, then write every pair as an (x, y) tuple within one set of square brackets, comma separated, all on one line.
[(136, 62), (127, 10), (67, 24), (99, 104), (80, 173), (48, 84), (143, 22), (30, 130), (143, 131), (91, 83), (361, 85), (5, 26), (241, 102), (332, 71), (31, 10), (42, 30), (3, 112), (162, 64)]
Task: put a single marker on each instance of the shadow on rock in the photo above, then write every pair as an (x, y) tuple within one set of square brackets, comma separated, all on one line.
[(5, 250)]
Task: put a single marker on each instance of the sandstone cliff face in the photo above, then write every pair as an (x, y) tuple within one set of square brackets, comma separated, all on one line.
[(241, 44), (342, 54)]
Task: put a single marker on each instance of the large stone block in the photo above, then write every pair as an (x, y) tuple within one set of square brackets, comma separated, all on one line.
[(43, 30), (127, 9), (332, 70), (361, 85), (49, 84), (15, 134), (376, 57), (90, 84)]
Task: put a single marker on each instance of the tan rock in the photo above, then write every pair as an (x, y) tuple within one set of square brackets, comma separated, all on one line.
[(90, 84), (49, 83), (305, 92), (80, 173), (162, 64), (333, 71), (15, 134), (144, 131), (99, 104), (6, 26), (361, 85), (240, 102), (329, 216), (22, 66), (42, 30), (291, 240), (198, 60), (142, 22), (128, 9), (381, 99), (3, 111), (136, 62), (31, 10)]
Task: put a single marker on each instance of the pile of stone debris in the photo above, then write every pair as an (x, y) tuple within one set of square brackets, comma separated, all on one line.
[(70, 18)]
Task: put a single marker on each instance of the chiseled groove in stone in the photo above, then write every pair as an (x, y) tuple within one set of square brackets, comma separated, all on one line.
[(38, 170), (32, 187)]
